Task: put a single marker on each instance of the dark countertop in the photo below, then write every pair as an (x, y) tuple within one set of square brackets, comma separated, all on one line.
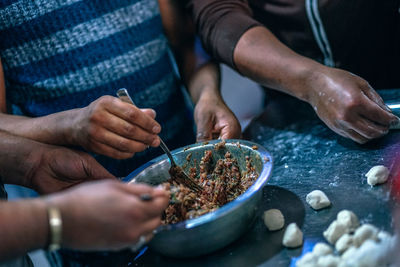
[(307, 156)]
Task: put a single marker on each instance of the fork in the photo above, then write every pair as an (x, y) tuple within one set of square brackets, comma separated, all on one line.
[(189, 182)]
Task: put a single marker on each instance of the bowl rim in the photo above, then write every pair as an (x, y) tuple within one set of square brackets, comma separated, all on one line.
[(262, 179)]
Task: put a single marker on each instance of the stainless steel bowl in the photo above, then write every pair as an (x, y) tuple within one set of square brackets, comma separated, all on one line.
[(216, 229)]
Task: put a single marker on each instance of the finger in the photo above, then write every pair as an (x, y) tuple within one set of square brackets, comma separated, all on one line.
[(151, 112), (119, 143), (131, 131), (157, 205), (231, 131), (369, 129), (373, 112), (137, 189), (94, 169), (356, 136), (109, 151), (375, 97), (149, 226), (134, 115), (140, 190), (205, 125)]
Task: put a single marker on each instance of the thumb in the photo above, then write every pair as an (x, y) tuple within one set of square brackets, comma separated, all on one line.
[(95, 171), (150, 112), (205, 125)]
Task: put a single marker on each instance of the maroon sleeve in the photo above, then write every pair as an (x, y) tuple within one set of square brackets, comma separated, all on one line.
[(220, 24)]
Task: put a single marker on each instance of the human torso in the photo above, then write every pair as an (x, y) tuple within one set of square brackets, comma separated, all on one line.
[(363, 35), (64, 54)]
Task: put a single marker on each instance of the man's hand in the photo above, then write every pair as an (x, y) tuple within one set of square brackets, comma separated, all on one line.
[(349, 105), (60, 168), (108, 214), (113, 128), (214, 119)]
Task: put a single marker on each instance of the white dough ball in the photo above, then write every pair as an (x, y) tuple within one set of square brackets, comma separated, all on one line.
[(349, 253), (377, 175), (329, 261), (293, 237), (383, 236), (321, 249), (365, 232), (318, 200), (349, 219), (308, 260), (335, 231), (368, 255), (274, 219), (344, 242)]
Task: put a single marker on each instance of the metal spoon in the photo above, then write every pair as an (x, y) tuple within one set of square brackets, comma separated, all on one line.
[(176, 171)]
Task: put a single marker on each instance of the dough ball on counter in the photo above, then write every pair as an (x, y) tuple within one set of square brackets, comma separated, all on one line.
[(318, 200), (383, 236), (368, 255), (329, 261), (321, 249), (377, 175), (363, 233), (349, 219), (343, 243), (293, 237), (308, 260), (349, 253), (274, 219), (335, 231), (311, 258)]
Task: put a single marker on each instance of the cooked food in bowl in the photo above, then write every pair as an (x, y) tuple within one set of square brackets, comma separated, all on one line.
[(214, 230), (222, 181)]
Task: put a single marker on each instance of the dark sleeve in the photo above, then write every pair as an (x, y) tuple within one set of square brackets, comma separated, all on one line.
[(220, 24)]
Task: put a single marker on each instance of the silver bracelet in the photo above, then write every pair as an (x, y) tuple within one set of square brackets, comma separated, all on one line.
[(55, 224)]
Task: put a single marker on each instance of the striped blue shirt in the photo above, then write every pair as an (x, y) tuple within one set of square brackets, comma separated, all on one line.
[(64, 54)]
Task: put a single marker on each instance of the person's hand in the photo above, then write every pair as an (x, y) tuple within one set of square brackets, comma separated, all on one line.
[(214, 119), (108, 215), (113, 128), (60, 168), (348, 105)]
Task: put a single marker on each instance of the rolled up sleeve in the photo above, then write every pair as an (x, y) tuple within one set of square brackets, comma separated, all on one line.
[(220, 24)]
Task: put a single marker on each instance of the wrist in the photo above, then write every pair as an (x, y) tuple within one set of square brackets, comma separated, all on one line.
[(209, 94), (69, 127), (38, 223)]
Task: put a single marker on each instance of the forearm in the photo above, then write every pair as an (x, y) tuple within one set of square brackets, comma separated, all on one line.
[(51, 129), (205, 82), (231, 35), (20, 158), (23, 227), (260, 56)]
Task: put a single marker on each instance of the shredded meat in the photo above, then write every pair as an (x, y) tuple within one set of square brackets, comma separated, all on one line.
[(222, 181)]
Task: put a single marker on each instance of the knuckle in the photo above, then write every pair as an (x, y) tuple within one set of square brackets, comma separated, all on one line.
[(123, 145), (351, 103), (105, 100), (342, 116), (129, 128), (132, 114), (93, 130)]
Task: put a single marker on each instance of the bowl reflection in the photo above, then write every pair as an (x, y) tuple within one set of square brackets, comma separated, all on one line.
[(216, 229)]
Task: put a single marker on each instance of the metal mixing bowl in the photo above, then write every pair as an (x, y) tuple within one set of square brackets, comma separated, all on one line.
[(213, 230)]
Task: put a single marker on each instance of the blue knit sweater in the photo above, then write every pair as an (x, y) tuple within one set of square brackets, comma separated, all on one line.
[(64, 54)]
